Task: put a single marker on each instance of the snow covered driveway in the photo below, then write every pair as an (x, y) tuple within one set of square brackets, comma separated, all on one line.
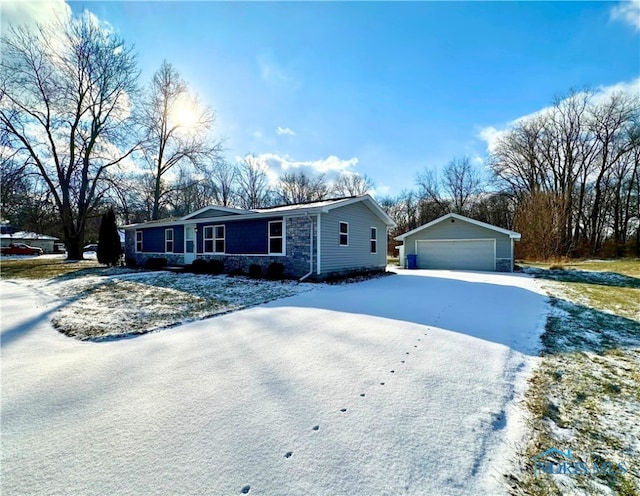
[(397, 385)]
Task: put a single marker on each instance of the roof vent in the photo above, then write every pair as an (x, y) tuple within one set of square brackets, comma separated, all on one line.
[(453, 220)]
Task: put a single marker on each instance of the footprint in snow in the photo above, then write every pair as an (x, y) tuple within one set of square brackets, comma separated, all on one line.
[(288, 454), (245, 489)]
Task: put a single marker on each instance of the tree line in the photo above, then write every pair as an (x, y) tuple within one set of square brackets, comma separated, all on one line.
[(80, 132), (567, 178)]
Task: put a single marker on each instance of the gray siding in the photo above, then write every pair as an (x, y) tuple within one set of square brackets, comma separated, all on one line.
[(356, 256), (460, 230)]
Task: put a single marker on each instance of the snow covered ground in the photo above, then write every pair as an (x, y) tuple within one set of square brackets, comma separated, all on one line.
[(405, 384), (125, 302)]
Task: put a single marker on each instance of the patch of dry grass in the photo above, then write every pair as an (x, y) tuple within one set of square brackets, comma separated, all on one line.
[(44, 267), (585, 394)]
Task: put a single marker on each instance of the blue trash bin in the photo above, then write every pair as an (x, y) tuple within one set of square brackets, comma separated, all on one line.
[(412, 261)]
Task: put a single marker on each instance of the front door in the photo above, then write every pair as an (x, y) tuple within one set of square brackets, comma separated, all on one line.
[(189, 244)]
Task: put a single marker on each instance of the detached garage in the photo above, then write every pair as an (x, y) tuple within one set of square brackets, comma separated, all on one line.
[(455, 242)]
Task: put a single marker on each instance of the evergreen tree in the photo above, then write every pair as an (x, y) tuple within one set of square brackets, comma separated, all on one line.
[(109, 248)]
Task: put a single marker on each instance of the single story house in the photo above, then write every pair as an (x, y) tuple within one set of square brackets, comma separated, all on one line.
[(456, 242), (29, 238), (312, 240)]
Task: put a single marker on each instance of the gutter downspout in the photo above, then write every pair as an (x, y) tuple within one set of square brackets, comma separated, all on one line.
[(310, 250), (512, 253), (319, 245)]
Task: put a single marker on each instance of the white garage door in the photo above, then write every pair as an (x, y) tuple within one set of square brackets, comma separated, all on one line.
[(463, 254)]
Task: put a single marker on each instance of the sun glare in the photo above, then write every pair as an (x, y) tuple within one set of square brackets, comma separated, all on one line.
[(185, 117), (185, 113)]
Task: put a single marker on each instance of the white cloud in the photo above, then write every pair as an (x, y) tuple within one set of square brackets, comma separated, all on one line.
[(382, 189), (285, 130), (17, 12), (274, 74), (629, 88), (275, 165), (491, 135), (627, 11)]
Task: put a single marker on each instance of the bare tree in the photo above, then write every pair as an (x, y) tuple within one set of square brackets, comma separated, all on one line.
[(176, 129), (430, 190), (253, 184), (187, 193), (517, 162), (66, 93), (222, 176), (127, 195), (614, 126), (579, 151), (299, 187), (462, 183), (352, 184), (16, 185)]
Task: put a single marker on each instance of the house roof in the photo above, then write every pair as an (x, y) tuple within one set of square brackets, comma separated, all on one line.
[(323, 206), (511, 234), (305, 205), (229, 210), (28, 235)]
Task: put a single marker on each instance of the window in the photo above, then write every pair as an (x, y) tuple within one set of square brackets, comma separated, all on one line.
[(218, 240), (214, 239), (344, 234), (139, 241), (276, 237), (374, 240), (208, 239), (168, 240)]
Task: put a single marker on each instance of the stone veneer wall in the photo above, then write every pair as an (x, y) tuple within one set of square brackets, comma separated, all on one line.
[(503, 265)]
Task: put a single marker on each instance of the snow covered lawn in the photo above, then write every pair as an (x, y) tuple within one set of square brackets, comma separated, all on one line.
[(120, 302), (408, 384)]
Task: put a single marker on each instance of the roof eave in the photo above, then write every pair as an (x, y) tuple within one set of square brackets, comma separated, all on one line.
[(511, 234), (225, 218)]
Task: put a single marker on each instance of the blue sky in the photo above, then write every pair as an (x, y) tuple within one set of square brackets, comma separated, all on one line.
[(385, 89)]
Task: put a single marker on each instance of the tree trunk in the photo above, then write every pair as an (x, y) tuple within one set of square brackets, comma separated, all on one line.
[(74, 241), (156, 199)]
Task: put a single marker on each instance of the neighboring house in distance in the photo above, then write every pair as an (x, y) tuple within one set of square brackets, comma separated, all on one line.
[(455, 242), (30, 238), (316, 240)]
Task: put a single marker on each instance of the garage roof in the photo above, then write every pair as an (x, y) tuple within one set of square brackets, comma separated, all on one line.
[(511, 234)]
